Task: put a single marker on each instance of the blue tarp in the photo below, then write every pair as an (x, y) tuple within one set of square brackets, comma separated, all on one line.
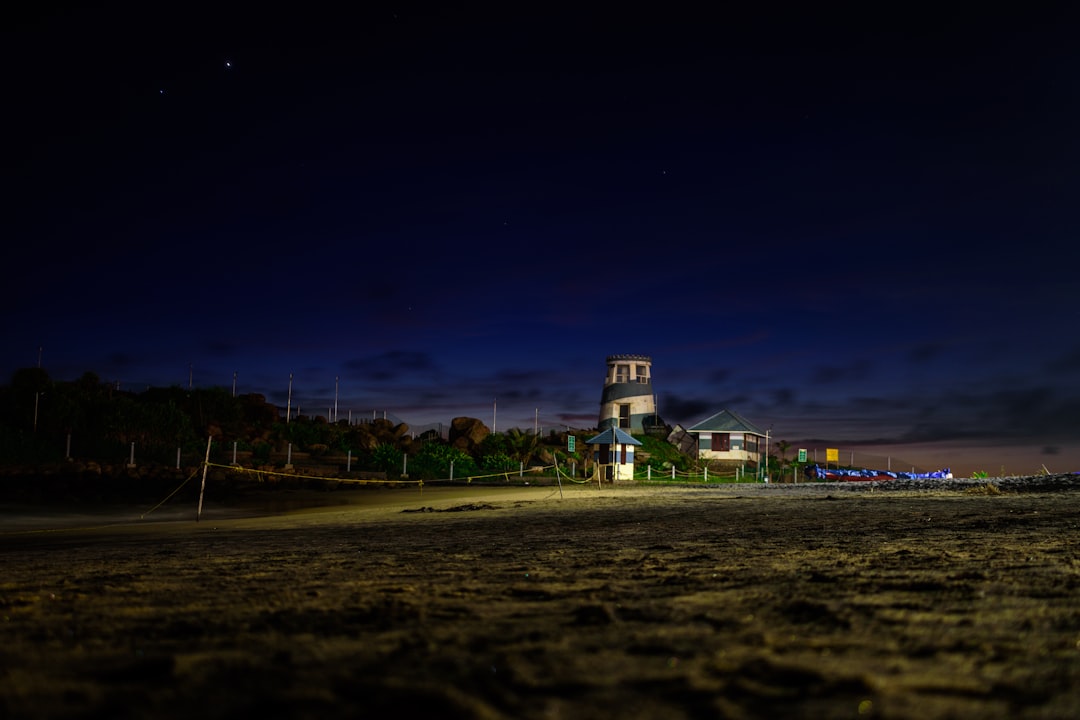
[(840, 474)]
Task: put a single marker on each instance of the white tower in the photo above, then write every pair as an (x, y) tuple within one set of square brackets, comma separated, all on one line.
[(628, 400)]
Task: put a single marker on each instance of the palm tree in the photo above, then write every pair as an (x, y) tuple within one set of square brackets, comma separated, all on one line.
[(782, 447), (522, 444)]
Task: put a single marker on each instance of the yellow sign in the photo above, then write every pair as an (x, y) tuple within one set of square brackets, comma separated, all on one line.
[(832, 455)]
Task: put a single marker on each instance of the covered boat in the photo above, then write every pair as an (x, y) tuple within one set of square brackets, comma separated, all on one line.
[(816, 472)]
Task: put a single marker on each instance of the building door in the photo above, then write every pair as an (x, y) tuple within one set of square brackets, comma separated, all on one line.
[(624, 416)]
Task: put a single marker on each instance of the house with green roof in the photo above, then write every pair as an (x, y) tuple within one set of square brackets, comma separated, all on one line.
[(729, 438)]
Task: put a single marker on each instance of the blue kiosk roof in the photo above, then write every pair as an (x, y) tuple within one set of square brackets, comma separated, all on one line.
[(613, 436)]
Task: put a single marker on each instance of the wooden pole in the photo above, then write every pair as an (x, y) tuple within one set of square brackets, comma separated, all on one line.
[(205, 467)]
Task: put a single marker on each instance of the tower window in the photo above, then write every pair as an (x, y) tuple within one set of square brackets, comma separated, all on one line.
[(642, 373), (624, 416), (622, 373)]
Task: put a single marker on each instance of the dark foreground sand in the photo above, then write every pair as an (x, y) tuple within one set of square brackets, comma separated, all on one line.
[(732, 602)]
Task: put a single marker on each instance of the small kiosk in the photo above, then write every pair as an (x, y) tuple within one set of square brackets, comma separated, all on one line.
[(613, 453)]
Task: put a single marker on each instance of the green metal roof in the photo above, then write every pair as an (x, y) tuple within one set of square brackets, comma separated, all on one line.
[(726, 421)]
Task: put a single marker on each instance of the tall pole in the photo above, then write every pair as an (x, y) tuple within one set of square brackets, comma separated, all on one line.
[(765, 472), (288, 402), (37, 395), (494, 408), (335, 398), (234, 383)]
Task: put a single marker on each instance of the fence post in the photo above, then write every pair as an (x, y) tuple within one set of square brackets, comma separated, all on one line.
[(205, 467)]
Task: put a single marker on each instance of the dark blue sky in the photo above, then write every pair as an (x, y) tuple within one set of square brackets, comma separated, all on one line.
[(855, 225)]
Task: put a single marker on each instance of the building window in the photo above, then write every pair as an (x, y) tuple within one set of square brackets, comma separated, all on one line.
[(721, 442), (622, 373), (751, 443), (624, 416), (642, 374)]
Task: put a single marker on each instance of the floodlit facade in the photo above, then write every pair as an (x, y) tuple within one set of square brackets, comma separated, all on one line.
[(727, 436), (613, 453), (628, 401)]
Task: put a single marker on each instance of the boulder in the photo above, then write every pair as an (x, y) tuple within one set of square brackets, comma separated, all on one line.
[(467, 433)]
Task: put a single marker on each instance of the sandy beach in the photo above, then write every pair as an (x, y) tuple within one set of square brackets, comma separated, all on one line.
[(737, 601)]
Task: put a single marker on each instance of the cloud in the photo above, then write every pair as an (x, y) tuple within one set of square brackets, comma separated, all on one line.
[(1014, 414), (719, 376), (678, 409), (219, 348), (924, 353), (783, 397), (587, 420), (391, 365), (1067, 363), (121, 360), (831, 374)]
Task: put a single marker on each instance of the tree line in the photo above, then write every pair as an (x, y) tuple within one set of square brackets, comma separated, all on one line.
[(46, 421)]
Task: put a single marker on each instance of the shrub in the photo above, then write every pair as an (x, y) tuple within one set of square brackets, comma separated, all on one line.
[(434, 459), (388, 459), (987, 489), (498, 462)]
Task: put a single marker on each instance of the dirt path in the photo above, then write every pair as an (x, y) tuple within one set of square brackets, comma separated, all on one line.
[(697, 603)]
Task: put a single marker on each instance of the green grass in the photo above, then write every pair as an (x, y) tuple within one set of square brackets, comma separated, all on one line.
[(662, 453)]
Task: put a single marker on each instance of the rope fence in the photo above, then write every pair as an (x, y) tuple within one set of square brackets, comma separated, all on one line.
[(645, 474)]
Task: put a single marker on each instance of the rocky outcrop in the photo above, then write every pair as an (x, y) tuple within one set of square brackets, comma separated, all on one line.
[(467, 433)]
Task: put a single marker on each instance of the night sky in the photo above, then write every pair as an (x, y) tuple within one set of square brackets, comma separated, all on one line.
[(853, 224)]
